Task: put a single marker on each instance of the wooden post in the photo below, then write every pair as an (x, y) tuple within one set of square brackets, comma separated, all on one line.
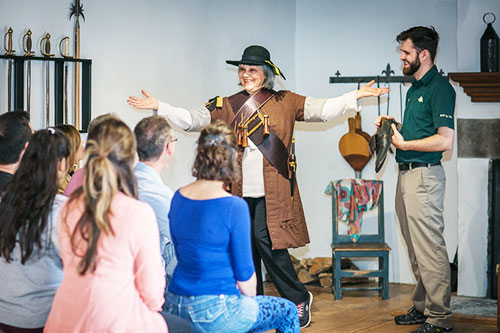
[(77, 10), (77, 76)]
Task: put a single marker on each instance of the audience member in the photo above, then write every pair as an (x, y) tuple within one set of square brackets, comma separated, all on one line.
[(15, 132), (76, 152), (155, 147), (76, 180), (214, 284), (113, 277), (30, 263)]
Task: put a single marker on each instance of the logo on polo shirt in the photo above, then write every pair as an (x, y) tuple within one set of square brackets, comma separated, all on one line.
[(420, 99), (442, 115)]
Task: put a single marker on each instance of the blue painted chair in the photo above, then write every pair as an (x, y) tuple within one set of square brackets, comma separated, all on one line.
[(368, 246)]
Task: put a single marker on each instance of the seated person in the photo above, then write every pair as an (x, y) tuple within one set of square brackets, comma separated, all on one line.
[(214, 284), (113, 277), (155, 147), (75, 152), (77, 178), (15, 132), (30, 263)]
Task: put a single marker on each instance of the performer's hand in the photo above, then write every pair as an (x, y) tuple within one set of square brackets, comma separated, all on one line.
[(368, 91), (149, 102), (397, 139), (378, 121)]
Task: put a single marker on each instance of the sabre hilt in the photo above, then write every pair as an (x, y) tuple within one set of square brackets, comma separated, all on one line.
[(9, 49), (64, 52), (28, 44), (46, 49)]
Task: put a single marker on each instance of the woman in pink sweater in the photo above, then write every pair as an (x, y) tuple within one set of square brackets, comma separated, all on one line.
[(113, 277)]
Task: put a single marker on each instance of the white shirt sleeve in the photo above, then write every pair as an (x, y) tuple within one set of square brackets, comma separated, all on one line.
[(178, 117), (324, 109)]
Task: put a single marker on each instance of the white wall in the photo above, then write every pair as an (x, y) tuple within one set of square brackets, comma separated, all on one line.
[(358, 39), (177, 50), (473, 173)]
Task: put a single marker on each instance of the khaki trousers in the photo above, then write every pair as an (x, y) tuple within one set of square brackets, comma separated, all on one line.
[(419, 207)]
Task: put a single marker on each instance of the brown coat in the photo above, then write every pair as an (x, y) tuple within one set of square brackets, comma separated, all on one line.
[(285, 221)]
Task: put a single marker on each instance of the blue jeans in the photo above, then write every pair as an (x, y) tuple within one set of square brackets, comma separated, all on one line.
[(169, 262), (214, 313), (235, 313)]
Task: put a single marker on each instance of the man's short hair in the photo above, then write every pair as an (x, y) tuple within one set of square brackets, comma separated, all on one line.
[(15, 131), (152, 134), (424, 38)]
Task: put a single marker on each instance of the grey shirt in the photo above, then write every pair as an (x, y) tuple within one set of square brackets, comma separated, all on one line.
[(27, 291)]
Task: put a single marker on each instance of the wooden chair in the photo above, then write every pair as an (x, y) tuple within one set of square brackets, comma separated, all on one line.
[(368, 246)]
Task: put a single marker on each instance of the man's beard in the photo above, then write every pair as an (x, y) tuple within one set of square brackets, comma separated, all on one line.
[(414, 67)]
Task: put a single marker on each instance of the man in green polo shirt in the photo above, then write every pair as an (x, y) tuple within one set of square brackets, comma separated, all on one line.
[(427, 131)]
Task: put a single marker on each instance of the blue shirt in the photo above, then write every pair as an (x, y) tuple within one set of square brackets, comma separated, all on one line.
[(153, 192), (212, 244)]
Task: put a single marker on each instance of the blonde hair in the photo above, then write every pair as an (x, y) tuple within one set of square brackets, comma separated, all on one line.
[(109, 157), (75, 142)]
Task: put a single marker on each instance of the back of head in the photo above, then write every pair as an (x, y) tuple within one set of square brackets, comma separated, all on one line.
[(15, 131), (424, 38), (27, 199), (74, 139), (152, 134), (216, 154), (109, 157), (97, 120)]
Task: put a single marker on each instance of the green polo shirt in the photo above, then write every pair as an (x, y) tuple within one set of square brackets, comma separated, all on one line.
[(430, 104)]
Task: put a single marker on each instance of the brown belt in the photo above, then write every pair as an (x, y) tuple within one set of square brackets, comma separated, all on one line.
[(246, 107)]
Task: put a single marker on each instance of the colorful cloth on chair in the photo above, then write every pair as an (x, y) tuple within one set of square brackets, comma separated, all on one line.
[(354, 197)]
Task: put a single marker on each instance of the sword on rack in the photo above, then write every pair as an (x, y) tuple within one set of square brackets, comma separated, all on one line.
[(9, 51), (27, 45), (65, 54), (45, 50)]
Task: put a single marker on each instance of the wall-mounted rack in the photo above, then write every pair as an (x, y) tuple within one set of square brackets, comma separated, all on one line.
[(86, 64), (387, 77)]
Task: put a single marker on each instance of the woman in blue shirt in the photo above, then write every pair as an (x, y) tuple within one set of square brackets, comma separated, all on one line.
[(214, 283)]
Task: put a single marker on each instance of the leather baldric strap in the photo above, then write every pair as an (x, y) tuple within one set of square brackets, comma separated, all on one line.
[(246, 110)]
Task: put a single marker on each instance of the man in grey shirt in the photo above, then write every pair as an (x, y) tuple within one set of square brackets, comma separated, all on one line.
[(155, 147)]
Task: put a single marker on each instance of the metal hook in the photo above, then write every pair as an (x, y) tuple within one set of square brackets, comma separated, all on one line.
[(494, 18)]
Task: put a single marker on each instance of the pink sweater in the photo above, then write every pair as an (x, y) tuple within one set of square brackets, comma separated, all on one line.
[(126, 291), (75, 182)]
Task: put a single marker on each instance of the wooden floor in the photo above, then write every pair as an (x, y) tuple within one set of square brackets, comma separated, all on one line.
[(366, 311)]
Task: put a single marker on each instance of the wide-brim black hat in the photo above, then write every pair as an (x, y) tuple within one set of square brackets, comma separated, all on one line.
[(257, 55)]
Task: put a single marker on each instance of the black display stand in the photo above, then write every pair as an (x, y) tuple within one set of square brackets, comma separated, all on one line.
[(493, 227), (86, 79)]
